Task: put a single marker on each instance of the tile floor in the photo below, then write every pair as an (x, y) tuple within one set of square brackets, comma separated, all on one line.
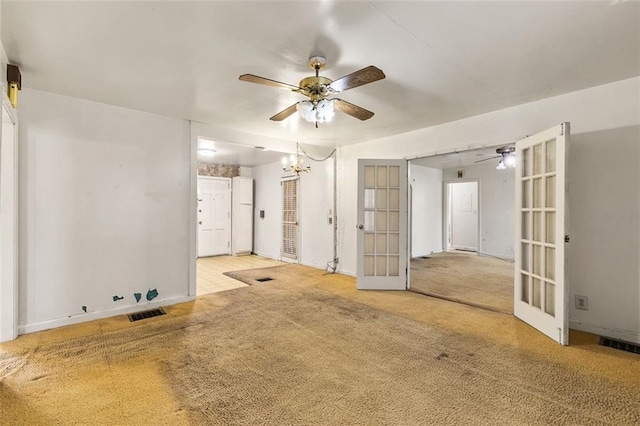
[(210, 277)]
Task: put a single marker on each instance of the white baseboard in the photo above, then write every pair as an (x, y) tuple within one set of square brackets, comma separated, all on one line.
[(625, 335), (90, 316)]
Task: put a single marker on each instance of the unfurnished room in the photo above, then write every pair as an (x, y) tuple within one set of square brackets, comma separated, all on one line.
[(321, 212)]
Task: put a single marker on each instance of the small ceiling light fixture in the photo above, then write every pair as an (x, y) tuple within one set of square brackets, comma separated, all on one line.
[(508, 157), (295, 163), (208, 152)]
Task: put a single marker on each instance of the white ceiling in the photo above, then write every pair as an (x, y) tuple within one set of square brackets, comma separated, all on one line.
[(459, 159), (236, 154), (443, 60)]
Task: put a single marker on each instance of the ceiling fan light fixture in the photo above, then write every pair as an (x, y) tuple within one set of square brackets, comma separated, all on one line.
[(510, 160), (501, 165), (320, 112)]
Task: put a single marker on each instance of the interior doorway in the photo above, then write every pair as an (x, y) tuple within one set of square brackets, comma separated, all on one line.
[(462, 217), (462, 229)]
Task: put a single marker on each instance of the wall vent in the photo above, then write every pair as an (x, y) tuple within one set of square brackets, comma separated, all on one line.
[(623, 346), (263, 280), (146, 314)]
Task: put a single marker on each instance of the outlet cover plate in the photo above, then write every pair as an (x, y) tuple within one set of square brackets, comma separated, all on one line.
[(582, 302)]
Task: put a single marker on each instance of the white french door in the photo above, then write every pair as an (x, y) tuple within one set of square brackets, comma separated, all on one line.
[(214, 216), (540, 283), (382, 225)]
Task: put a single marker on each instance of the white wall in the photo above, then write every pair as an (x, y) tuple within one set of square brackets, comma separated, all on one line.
[(604, 252), (610, 108), (426, 211), (316, 192), (497, 201), (268, 197), (104, 209)]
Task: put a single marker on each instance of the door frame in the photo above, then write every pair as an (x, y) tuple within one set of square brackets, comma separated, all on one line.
[(9, 193), (446, 211), (228, 180)]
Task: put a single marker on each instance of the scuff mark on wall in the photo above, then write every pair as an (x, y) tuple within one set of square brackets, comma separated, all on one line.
[(138, 296), (152, 294), (116, 298)]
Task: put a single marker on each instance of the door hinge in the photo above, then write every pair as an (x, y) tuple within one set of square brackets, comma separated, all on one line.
[(561, 129)]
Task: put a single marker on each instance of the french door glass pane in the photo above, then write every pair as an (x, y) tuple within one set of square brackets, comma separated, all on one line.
[(381, 243), (550, 298), (526, 230), (526, 193), (369, 176), (393, 244), (550, 263), (369, 198), (394, 266), (381, 221), (525, 287), (369, 266), (382, 176), (381, 266), (537, 292), (551, 155), (369, 244), (537, 159), (551, 227), (537, 193), (394, 177), (526, 162), (550, 192)]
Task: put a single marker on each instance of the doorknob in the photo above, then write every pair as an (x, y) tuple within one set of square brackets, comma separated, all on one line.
[(360, 226), (200, 223)]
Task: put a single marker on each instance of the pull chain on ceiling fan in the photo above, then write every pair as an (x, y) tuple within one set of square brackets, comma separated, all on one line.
[(319, 108)]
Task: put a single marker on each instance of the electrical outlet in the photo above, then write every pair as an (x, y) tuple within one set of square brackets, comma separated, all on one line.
[(582, 302)]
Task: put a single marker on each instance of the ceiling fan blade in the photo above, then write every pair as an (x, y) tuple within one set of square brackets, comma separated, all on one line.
[(353, 110), (284, 113), (267, 82), (487, 159), (358, 78)]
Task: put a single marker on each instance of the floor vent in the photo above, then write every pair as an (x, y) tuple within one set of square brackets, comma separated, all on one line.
[(623, 346), (264, 280), (146, 314)]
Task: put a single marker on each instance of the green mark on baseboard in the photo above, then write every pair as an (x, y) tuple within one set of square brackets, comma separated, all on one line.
[(116, 298), (152, 294), (138, 296), (84, 308)]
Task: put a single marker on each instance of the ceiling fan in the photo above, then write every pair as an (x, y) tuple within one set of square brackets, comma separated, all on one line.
[(506, 155), (319, 108)]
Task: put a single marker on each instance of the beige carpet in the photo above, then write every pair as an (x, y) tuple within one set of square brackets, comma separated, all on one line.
[(469, 278), (307, 348)]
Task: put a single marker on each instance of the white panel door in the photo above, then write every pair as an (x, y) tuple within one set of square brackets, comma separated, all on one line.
[(382, 225), (464, 215), (541, 287), (214, 216)]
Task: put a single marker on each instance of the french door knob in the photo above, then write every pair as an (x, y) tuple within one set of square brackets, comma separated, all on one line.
[(200, 223), (360, 226)]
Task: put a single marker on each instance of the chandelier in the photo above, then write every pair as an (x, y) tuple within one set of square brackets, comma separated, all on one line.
[(295, 163)]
